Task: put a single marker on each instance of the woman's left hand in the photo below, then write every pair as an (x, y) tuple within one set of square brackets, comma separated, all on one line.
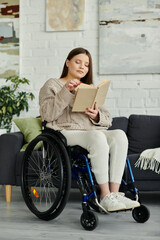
[(93, 113)]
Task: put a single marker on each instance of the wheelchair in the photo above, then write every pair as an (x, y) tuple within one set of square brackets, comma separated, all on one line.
[(47, 170)]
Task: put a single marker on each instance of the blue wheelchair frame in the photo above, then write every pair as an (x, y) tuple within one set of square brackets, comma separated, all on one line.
[(86, 168), (76, 169)]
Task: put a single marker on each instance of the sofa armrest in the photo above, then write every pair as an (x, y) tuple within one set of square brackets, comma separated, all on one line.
[(10, 145)]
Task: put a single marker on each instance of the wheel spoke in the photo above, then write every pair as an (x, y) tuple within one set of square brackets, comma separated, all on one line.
[(44, 180), (43, 172)]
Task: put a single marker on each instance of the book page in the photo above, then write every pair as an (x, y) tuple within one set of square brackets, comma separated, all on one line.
[(102, 92), (104, 82), (84, 99), (84, 85)]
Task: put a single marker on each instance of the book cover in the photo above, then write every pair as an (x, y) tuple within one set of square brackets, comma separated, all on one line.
[(86, 96)]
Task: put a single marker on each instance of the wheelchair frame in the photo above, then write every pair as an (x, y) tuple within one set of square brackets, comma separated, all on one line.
[(52, 169)]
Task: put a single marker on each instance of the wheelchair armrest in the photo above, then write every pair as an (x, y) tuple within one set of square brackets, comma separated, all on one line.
[(75, 150), (57, 133)]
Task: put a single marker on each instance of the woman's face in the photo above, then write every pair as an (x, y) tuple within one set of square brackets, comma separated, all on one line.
[(78, 66)]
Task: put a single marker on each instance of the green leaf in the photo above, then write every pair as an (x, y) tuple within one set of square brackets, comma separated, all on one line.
[(9, 109), (3, 109)]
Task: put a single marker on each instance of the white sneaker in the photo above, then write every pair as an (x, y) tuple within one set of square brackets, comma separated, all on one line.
[(110, 203), (127, 201)]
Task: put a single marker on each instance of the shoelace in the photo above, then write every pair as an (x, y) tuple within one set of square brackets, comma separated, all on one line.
[(118, 194), (111, 196)]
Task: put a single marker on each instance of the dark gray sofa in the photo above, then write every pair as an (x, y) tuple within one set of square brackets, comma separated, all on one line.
[(143, 132)]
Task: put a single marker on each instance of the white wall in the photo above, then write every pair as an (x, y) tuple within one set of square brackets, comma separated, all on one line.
[(42, 56)]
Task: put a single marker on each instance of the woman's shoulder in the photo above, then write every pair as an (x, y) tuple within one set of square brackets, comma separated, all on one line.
[(54, 82), (51, 85), (51, 81)]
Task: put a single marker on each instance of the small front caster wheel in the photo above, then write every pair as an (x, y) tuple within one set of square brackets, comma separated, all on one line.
[(141, 214), (89, 220)]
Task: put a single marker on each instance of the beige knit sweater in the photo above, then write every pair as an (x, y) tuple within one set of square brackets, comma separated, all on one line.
[(56, 108)]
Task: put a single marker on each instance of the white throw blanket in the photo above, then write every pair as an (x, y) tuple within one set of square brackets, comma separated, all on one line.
[(149, 159)]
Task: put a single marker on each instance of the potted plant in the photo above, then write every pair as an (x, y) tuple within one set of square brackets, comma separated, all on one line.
[(12, 101)]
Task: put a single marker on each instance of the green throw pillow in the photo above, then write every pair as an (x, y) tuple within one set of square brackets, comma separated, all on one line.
[(30, 127)]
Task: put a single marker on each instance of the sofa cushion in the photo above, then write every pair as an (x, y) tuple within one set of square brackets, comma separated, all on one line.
[(143, 132), (120, 123), (30, 127)]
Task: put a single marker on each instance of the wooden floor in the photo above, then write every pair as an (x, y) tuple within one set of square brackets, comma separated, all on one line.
[(17, 222)]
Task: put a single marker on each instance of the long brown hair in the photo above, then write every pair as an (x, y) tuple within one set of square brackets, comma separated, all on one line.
[(88, 79)]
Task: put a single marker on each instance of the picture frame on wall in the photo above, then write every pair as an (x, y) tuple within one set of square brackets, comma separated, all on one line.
[(129, 37), (65, 15), (9, 38)]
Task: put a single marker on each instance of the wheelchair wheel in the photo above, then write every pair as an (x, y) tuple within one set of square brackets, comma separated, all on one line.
[(46, 177), (89, 220), (141, 214)]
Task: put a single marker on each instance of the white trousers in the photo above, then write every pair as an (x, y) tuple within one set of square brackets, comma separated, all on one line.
[(107, 151)]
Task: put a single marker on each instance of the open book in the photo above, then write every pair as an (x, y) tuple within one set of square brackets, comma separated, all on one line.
[(86, 96)]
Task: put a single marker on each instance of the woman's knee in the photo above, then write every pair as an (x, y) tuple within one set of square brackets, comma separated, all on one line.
[(119, 137), (97, 139)]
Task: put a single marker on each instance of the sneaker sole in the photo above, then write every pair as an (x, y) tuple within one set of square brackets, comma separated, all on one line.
[(132, 207), (117, 210)]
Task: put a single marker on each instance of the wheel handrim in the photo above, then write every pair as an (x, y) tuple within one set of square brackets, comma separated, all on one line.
[(43, 177)]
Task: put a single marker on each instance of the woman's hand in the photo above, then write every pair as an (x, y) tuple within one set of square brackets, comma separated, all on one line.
[(93, 113), (71, 84)]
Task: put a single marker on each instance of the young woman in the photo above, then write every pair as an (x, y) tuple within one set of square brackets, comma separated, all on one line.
[(87, 129)]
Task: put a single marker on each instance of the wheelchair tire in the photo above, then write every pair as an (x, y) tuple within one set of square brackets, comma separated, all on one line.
[(141, 214), (46, 176), (89, 220)]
